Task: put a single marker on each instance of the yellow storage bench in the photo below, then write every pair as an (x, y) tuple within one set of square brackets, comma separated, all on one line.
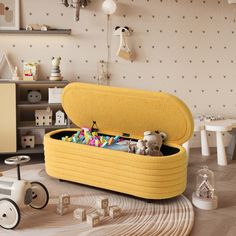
[(127, 113)]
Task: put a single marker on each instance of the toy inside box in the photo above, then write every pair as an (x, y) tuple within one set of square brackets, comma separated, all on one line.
[(125, 113)]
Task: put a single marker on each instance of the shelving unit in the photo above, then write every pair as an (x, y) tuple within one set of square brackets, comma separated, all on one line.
[(51, 31), (25, 113)]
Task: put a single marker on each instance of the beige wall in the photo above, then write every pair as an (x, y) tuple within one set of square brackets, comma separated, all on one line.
[(183, 47)]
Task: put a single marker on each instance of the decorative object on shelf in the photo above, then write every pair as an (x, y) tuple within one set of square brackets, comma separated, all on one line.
[(15, 75), (27, 141), (103, 76), (30, 70), (38, 27), (9, 14), (34, 96), (76, 4), (60, 118), (5, 58), (43, 117), (204, 196), (55, 71), (64, 203), (54, 95), (123, 50), (109, 7)]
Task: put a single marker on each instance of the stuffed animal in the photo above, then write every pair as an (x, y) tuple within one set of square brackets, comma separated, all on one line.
[(140, 147), (152, 149), (154, 141), (131, 147)]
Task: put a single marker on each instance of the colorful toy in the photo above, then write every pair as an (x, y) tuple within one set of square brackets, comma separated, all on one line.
[(63, 205), (85, 136), (15, 193), (93, 219), (27, 141), (55, 71), (80, 214), (30, 70)]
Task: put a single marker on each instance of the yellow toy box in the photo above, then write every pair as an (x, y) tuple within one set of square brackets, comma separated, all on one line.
[(128, 113)]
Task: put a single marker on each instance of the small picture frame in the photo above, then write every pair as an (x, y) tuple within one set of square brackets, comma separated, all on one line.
[(9, 14)]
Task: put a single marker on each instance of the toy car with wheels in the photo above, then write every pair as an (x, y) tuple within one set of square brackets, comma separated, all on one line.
[(15, 193), (37, 27)]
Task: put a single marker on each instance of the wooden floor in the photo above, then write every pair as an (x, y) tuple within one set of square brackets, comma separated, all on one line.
[(219, 222)]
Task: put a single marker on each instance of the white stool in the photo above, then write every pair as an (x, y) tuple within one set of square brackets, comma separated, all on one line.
[(219, 127)]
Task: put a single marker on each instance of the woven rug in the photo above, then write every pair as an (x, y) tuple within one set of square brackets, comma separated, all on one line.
[(165, 217)]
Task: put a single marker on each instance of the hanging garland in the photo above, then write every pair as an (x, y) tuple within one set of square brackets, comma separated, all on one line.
[(76, 4)]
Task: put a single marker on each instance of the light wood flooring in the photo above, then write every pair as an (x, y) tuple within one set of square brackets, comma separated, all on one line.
[(219, 222)]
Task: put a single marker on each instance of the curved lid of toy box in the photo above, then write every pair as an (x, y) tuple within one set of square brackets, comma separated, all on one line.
[(120, 110)]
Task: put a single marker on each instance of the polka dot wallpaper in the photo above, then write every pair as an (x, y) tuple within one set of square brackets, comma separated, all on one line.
[(184, 47)]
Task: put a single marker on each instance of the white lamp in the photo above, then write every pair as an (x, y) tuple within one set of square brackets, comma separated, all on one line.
[(109, 7)]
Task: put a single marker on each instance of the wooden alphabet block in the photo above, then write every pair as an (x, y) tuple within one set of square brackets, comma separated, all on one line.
[(114, 211), (93, 219), (103, 212), (80, 214), (64, 199), (102, 202), (62, 210)]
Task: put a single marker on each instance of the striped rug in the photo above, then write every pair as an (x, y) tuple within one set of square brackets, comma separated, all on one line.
[(163, 218)]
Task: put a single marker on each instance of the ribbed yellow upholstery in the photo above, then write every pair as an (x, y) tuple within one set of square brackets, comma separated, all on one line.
[(142, 176)]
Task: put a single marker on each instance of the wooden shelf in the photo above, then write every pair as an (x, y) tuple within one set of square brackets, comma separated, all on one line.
[(31, 125), (47, 82), (39, 104), (48, 32), (37, 149)]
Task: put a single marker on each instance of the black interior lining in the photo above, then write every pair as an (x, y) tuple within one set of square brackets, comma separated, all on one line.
[(166, 150)]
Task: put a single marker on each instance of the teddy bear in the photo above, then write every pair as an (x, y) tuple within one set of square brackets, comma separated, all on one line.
[(154, 141), (140, 147)]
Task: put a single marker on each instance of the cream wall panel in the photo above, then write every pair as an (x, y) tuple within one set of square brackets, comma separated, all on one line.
[(184, 47), (7, 118)]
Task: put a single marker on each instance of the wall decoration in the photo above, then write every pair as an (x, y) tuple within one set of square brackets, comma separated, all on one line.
[(123, 50), (176, 45), (76, 4), (9, 15)]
